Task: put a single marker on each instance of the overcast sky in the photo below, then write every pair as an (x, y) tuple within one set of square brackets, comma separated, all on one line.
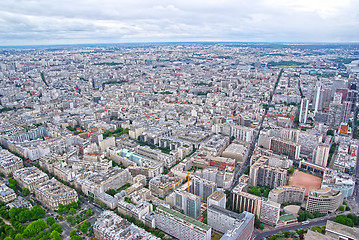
[(26, 22)]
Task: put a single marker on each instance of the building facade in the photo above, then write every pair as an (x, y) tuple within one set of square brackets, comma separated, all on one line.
[(325, 200), (30, 177), (180, 226), (289, 194), (52, 193)]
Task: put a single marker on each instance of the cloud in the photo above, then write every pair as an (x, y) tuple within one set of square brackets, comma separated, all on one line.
[(92, 21)]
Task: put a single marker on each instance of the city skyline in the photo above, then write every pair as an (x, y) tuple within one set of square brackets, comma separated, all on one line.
[(84, 22)]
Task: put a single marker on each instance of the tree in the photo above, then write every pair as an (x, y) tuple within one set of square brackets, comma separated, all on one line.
[(85, 226), (50, 221), (76, 238), (291, 170), (25, 191), (257, 223), (8, 238), (342, 208), (342, 219), (12, 183), (18, 237), (55, 235), (72, 211), (73, 233), (56, 227), (37, 212)]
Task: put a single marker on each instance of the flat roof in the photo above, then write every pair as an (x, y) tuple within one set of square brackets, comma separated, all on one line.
[(185, 218), (343, 230)]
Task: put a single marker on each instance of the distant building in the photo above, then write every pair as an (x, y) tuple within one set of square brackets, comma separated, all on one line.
[(303, 114), (325, 200), (180, 226), (236, 151), (96, 183)]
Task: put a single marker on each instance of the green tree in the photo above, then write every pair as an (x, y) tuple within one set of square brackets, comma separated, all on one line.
[(342, 219), (291, 170), (85, 226), (257, 223), (8, 238), (50, 221), (72, 211), (25, 191), (12, 183), (37, 212), (73, 233), (55, 235), (76, 238), (342, 208), (18, 237), (56, 227)]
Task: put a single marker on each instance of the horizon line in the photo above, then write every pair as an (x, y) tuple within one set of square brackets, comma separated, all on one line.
[(185, 42)]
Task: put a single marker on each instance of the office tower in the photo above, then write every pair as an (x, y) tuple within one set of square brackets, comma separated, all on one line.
[(189, 203), (202, 187), (303, 110), (347, 108), (317, 98)]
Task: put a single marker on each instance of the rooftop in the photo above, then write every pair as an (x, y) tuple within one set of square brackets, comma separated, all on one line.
[(185, 218)]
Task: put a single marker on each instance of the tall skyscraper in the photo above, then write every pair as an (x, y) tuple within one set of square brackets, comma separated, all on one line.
[(303, 110), (347, 108), (317, 99)]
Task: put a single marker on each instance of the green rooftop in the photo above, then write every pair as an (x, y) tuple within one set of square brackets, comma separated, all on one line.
[(185, 218), (286, 218)]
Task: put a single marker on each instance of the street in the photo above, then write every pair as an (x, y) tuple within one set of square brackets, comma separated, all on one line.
[(257, 235)]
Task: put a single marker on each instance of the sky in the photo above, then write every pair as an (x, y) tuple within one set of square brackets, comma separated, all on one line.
[(37, 22)]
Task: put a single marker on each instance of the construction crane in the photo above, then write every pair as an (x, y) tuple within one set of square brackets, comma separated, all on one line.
[(187, 176)]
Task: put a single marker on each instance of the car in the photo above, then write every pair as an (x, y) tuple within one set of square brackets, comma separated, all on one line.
[(306, 222)]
